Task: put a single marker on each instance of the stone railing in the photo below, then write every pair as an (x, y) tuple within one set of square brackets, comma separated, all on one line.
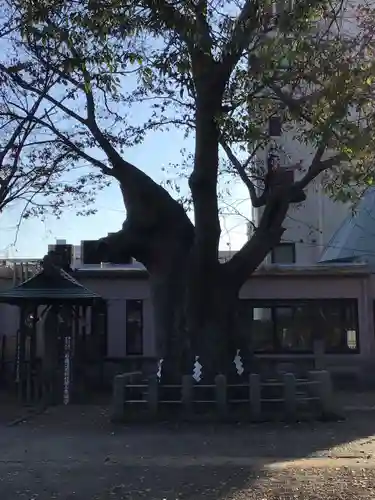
[(287, 398)]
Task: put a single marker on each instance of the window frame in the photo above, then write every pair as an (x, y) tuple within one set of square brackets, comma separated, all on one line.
[(274, 304), (129, 352), (284, 245)]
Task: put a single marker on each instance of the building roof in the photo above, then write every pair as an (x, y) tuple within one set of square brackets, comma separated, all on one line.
[(354, 241), (49, 285)]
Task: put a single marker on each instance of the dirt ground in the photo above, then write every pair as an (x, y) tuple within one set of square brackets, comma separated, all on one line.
[(75, 453)]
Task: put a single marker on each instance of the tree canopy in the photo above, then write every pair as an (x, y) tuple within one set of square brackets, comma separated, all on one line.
[(35, 171), (218, 70)]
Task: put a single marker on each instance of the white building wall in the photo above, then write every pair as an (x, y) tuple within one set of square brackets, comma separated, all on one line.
[(312, 223)]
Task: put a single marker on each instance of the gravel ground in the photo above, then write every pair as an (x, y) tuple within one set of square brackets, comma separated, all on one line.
[(191, 483), (74, 453)]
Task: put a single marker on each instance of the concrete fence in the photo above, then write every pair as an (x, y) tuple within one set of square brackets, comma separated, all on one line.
[(287, 398)]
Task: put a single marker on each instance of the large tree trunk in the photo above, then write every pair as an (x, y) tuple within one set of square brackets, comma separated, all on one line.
[(195, 297), (189, 325)]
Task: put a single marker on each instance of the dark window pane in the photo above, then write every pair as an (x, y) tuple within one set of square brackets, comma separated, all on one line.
[(262, 331), (338, 325), (351, 325), (275, 126), (284, 321), (284, 253), (293, 327), (134, 327)]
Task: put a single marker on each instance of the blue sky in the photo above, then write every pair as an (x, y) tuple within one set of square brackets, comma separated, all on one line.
[(157, 151)]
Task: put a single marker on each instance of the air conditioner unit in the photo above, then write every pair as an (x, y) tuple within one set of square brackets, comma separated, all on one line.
[(90, 252)]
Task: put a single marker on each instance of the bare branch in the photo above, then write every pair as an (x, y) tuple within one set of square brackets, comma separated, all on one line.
[(241, 170), (74, 147), (31, 88)]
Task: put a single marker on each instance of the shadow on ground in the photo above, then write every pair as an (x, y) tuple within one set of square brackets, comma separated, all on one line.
[(74, 452)]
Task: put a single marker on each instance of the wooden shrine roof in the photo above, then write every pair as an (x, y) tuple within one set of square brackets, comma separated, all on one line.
[(51, 284)]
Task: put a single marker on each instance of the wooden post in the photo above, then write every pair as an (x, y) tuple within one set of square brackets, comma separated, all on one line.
[(153, 395), (290, 396), (3, 357), (26, 271), (15, 274), (255, 396), (187, 394), (83, 331), (28, 372), (21, 355), (103, 339), (221, 395), (33, 352), (76, 354), (17, 358), (76, 333)]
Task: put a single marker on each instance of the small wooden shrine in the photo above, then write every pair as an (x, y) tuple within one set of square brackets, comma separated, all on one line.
[(62, 335)]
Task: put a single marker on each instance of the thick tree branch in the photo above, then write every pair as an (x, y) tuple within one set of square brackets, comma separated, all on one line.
[(318, 166), (194, 32), (202, 25), (173, 19), (293, 104), (270, 229), (247, 21), (266, 236), (48, 124), (72, 146)]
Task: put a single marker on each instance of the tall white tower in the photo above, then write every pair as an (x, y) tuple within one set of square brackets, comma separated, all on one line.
[(310, 224)]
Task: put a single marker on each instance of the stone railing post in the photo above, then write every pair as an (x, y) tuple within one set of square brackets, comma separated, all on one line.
[(118, 397), (187, 394), (319, 354), (322, 389), (221, 395), (255, 396), (290, 396), (153, 395)]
